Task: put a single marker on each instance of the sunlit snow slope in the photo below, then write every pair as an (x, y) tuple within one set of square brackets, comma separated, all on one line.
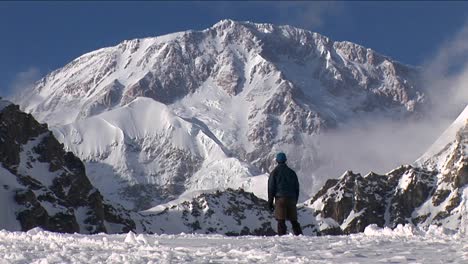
[(146, 146)]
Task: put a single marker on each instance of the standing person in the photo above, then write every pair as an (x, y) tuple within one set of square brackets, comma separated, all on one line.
[(283, 187)]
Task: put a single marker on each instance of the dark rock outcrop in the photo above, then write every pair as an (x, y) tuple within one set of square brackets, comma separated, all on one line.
[(430, 194), (53, 191), (355, 201), (230, 212)]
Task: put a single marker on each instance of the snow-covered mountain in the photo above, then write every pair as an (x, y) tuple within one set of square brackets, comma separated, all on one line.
[(229, 212), (145, 153), (44, 186), (219, 103), (433, 191)]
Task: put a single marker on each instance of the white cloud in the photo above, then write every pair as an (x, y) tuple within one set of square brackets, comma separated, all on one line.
[(302, 14), (23, 80), (381, 145), (446, 76), (307, 15)]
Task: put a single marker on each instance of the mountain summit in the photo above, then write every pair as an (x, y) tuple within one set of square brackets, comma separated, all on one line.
[(218, 104)]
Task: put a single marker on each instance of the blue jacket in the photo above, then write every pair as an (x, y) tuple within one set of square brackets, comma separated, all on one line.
[(283, 183)]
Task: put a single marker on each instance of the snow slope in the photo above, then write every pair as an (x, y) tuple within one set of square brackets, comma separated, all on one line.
[(145, 144), (230, 96), (403, 245)]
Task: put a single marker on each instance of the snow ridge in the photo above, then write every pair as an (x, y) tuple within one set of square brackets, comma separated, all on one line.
[(437, 150)]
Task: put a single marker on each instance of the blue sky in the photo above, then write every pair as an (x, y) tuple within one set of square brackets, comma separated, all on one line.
[(38, 37)]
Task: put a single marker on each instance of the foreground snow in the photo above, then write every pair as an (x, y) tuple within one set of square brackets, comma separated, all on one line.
[(403, 245)]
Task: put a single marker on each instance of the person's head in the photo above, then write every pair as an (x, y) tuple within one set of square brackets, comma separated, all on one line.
[(281, 157)]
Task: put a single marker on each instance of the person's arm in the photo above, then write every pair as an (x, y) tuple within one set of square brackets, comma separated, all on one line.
[(271, 188), (296, 187)]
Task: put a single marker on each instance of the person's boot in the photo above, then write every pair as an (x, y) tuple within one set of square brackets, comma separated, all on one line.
[(296, 228), (282, 227)]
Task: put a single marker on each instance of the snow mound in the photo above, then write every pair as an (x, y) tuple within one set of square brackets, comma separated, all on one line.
[(410, 230)]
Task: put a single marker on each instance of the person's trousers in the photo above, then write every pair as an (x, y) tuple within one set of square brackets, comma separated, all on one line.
[(282, 228), (285, 209)]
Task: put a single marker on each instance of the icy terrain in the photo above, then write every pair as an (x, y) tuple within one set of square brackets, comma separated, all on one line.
[(403, 245)]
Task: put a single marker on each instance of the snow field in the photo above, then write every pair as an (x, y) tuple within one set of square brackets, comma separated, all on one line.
[(402, 245)]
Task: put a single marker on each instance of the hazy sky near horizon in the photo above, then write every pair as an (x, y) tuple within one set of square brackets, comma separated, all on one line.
[(38, 37)]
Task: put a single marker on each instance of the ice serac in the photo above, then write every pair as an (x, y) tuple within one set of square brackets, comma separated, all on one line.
[(240, 89), (45, 186), (432, 191)]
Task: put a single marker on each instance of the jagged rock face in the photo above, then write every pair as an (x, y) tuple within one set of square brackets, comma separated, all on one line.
[(50, 187), (255, 89), (448, 206), (228, 212), (355, 201), (433, 193)]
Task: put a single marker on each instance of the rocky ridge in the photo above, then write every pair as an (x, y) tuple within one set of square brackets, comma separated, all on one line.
[(433, 191), (45, 186)]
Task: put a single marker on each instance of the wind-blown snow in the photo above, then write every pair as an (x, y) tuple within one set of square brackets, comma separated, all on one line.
[(403, 245)]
